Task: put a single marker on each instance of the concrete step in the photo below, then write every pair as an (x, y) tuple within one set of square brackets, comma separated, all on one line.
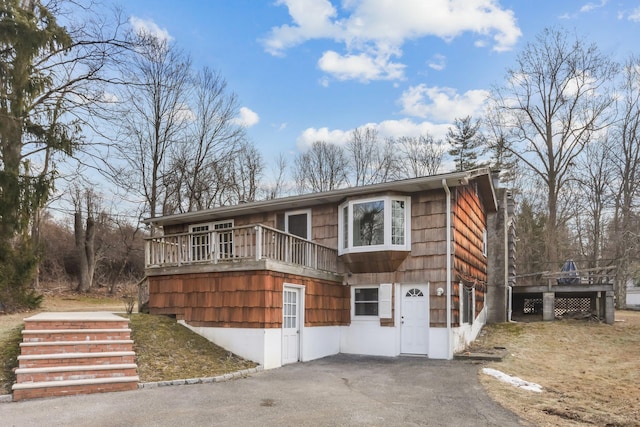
[(33, 390), (70, 359), (75, 353), (64, 347), (76, 372), (70, 320), (51, 335)]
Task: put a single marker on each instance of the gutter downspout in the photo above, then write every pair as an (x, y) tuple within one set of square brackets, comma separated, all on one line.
[(446, 189)]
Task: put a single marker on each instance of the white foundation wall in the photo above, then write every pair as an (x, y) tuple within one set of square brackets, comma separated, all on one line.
[(263, 346), (465, 334), (319, 341), (368, 337), (438, 343)]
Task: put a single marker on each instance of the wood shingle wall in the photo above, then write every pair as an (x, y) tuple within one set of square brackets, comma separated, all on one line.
[(245, 299), (469, 262)]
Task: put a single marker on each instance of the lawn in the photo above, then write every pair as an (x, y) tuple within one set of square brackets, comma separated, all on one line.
[(590, 371)]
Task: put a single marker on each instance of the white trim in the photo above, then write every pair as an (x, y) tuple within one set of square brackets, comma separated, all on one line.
[(387, 237), (211, 225), (353, 304), (301, 311), (298, 212)]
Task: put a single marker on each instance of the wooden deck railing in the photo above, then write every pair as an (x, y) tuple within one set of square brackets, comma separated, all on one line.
[(252, 242), (587, 276)]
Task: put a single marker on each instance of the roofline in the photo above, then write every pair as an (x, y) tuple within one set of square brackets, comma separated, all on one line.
[(452, 179)]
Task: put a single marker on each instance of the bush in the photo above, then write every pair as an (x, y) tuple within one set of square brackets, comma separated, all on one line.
[(17, 270)]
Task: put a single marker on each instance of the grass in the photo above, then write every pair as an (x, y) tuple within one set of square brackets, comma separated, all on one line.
[(167, 350), (9, 351), (590, 371)]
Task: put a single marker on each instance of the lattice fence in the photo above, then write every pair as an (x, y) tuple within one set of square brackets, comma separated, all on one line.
[(572, 305), (532, 306)]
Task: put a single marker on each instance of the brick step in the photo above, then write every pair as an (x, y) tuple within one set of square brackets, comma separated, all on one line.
[(71, 359), (77, 372), (79, 323), (35, 390), (63, 347), (51, 335)]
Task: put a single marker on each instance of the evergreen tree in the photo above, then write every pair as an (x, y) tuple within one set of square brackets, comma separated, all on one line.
[(29, 33), (465, 139), (49, 77)]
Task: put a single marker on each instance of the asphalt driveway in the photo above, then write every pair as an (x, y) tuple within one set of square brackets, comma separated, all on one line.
[(340, 390)]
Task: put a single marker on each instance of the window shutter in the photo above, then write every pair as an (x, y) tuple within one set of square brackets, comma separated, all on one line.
[(384, 303)]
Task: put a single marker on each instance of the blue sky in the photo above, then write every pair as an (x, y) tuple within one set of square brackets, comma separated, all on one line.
[(307, 70)]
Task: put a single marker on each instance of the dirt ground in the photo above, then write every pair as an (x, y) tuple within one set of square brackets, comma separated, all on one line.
[(589, 371)]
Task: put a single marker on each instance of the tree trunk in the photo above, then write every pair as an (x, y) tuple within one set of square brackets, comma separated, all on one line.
[(83, 267), (90, 249)]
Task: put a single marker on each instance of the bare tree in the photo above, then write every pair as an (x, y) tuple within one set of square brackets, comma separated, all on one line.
[(626, 155), (594, 177), (247, 170), (372, 161), (552, 104), (277, 188), (158, 77), (322, 168), (502, 161), (85, 204), (422, 156), (214, 140)]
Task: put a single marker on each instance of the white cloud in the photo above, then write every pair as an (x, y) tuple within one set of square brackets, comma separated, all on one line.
[(386, 129), (247, 117), (438, 62), (635, 15), (311, 18), (591, 6), (360, 67), (311, 135), (441, 104), (373, 31), (145, 26)]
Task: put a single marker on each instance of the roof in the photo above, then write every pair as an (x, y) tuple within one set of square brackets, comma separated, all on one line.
[(480, 176)]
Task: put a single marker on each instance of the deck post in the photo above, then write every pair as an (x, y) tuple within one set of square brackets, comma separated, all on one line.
[(258, 242), (609, 315), (548, 305)]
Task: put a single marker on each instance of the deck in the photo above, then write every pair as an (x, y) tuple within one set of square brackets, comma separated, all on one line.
[(251, 247), (553, 295)]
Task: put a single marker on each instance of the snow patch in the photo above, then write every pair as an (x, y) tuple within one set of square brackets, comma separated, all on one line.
[(515, 381)]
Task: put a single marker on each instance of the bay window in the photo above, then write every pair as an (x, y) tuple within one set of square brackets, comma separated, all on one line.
[(375, 224)]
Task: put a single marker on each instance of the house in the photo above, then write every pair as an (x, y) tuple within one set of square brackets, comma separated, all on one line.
[(385, 269)]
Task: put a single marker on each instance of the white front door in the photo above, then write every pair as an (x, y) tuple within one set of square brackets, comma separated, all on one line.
[(290, 325), (414, 320)]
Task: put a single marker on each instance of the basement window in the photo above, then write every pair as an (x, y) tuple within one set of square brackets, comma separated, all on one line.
[(365, 301), (375, 224)]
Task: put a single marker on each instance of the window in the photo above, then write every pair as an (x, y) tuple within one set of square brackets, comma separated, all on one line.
[(484, 242), (467, 303), (365, 301), (375, 224), (201, 249), (298, 223)]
